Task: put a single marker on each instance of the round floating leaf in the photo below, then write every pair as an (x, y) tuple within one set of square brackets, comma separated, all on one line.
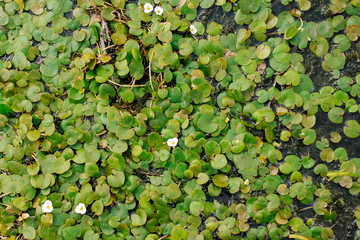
[(219, 161), (335, 61), (247, 6), (345, 83), (205, 123), (4, 75), (185, 49), (92, 170), (285, 135), (179, 233), (165, 36), (291, 32), (196, 207), (335, 137), (202, 178), (340, 154), (139, 218), (61, 166), (343, 41), (97, 207), (309, 136), (325, 29), (327, 233), (327, 155), (106, 91), (29, 232), (173, 192), (308, 121), (117, 179), (308, 162), (79, 35), (49, 70), (33, 135), (19, 60), (214, 29), (107, 13), (242, 57), (234, 184), (353, 32), (206, 3), (298, 190), (263, 51), (321, 169), (335, 115), (118, 38), (352, 129), (220, 180), (4, 18), (320, 47)]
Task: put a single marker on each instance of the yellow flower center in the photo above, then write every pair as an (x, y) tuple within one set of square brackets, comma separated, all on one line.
[(48, 207), (81, 208), (173, 143), (148, 8)]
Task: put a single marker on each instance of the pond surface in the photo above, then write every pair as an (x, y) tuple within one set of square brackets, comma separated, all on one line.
[(344, 226)]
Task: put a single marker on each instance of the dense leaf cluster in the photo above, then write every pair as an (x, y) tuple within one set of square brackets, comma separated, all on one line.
[(120, 122)]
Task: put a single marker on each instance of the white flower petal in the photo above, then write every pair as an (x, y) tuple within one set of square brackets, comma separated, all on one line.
[(148, 8), (159, 11), (81, 208), (169, 143), (193, 29), (172, 142), (47, 207)]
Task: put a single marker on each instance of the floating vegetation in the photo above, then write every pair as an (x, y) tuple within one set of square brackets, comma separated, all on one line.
[(148, 120)]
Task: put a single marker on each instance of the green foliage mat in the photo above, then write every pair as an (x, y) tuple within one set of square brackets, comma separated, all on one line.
[(137, 120)]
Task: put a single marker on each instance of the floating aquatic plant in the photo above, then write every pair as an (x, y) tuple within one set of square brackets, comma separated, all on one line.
[(117, 123)]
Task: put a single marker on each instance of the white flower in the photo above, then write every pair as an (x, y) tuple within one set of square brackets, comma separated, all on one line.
[(148, 8), (172, 142), (23, 217), (193, 29), (47, 207), (159, 11), (227, 120), (246, 182), (80, 208)]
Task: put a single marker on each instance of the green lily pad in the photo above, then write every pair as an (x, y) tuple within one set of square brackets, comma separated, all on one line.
[(173, 192), (206, 124), (335, 115), (139, 218), (309, 136), (352, 129), (219, 161), (220, 180)]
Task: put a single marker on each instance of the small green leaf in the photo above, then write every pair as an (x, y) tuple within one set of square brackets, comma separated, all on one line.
[(139, 218), (173, 192)]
